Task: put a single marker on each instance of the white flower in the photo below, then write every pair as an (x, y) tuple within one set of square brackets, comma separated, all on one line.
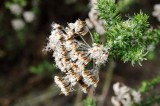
[(94, 20), (100, 29), (120, 89), (89, 24), (136, 96), (157, 7), (156, 12), (99, 53), (93, 2), (29, 16), (17, 24), (16, 9), (151, 47), (115, 102), (124, 95)]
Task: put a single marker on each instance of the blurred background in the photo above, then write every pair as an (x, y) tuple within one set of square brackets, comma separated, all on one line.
[(26, 73)]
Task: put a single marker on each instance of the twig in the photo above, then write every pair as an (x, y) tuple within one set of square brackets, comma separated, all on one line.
[(105, 89), (34, 101), (91, 35), (78, 98), (84, 41)]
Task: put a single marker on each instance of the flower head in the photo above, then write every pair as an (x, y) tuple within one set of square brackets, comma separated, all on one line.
[(156, 12), (99, 53), (16, 9), (29, 16), (17, 24), (124, 95), (94, 20), (72, 56)]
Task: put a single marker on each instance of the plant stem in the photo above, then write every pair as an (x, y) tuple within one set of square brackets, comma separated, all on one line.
[(107, 83), (36, 100), (78, 98)]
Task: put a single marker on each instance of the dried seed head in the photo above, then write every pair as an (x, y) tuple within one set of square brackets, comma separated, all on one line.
[(69, 34), (84, 87), (89, 78), (72, 56), (56, 26), (79, 27), (73, 77), (70, 45), (99, 53), (63, 85)]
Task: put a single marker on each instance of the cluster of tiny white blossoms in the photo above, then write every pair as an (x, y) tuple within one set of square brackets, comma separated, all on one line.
[(94, 20), (72, 56), (19, 23), (29, 16), (16, 9), (156, 12), (124, 96)]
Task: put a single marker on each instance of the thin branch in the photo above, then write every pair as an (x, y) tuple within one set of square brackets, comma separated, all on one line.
[(107, 83), (35, 100), (84, 41), (91, 35), (78, 98)]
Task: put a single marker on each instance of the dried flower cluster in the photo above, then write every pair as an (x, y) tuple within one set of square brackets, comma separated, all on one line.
[(72, 56), (156, 12), (125, 96), (94, 20)]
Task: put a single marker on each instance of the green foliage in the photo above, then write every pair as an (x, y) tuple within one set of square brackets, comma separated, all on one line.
[(128, 39), (145, 87), (44, 68), (108, 11), (150, 101), (153, 36), (151, 55), (123, 5), (152, 39), (149, 85), (96, 37), (22, 3), (24, 34), (89, 102)]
